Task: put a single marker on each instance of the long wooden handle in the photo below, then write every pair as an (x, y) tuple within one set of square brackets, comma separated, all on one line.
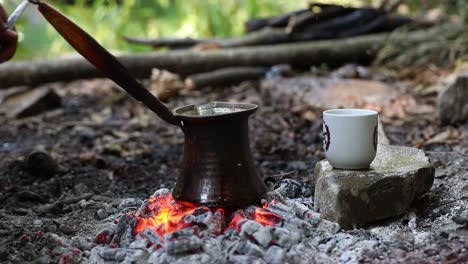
[(89, 48)]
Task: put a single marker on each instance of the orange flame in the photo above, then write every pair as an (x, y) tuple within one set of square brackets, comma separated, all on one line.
[(266, 217), (167, 215)]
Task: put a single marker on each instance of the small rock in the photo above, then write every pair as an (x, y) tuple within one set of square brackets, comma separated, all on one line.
[(41, 164), (112, 149), (398, 175), (452, 103), (31, 102)]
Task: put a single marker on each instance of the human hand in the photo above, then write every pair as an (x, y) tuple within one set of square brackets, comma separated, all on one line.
[(8, 38)]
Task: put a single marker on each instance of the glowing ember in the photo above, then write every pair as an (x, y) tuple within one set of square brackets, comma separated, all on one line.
[(164, 215), (167, 215), (265, 217)]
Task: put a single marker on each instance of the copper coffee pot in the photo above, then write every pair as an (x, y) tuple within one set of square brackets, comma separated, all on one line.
[(217, 167)]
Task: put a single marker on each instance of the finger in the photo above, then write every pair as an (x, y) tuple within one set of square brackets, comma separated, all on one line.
[(8, 44)]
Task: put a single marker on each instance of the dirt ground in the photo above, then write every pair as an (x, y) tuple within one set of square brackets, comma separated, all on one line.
[(108, 148)]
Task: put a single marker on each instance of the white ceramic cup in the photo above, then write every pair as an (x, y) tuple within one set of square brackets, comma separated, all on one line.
[(350, 137)]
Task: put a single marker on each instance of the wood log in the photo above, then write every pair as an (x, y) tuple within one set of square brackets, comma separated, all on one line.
[(334, 53), (345, 22), (276, 21), (350, 22), (172, 43), (283, 20), (261, 37), (225, 76), (299, 22)]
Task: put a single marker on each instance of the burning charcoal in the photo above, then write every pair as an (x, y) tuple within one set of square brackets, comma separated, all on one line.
[(263, 237), (302, 252), (217, 223), (53, 240), (250, 210), (181, 246), (98, 254), (200, 258), (182, 233), (139, 243), (245, 247), (298, 225), (123, 228), (290, 188), (161, 192), (239, 259), (212, 246), (75, 256), (273, 195), (284, 237), (249, 227), (328, 246), (129, 203), (329, 226), (280, 208), (127, 237), (306, 191), (275, 255), (214, 222), (190, 219), (140, 256), (104, 236), (299, 208), (81, 243), (202, 216), (59, 250), (151, 236), (41, 164)]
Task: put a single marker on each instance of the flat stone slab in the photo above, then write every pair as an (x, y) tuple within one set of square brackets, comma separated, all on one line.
[(396, 177)]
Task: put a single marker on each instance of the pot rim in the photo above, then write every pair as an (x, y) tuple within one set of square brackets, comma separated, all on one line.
[(187, 112)]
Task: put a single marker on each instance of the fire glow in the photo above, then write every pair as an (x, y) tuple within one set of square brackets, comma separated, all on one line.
[(164, 215)]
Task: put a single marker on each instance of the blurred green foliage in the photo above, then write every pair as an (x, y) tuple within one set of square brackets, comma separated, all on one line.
[(109, 20)]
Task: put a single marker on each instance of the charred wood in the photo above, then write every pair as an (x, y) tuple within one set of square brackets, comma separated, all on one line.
[(277, 21), (333, 53), (226, 76), (299, 22), (173, 43)]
